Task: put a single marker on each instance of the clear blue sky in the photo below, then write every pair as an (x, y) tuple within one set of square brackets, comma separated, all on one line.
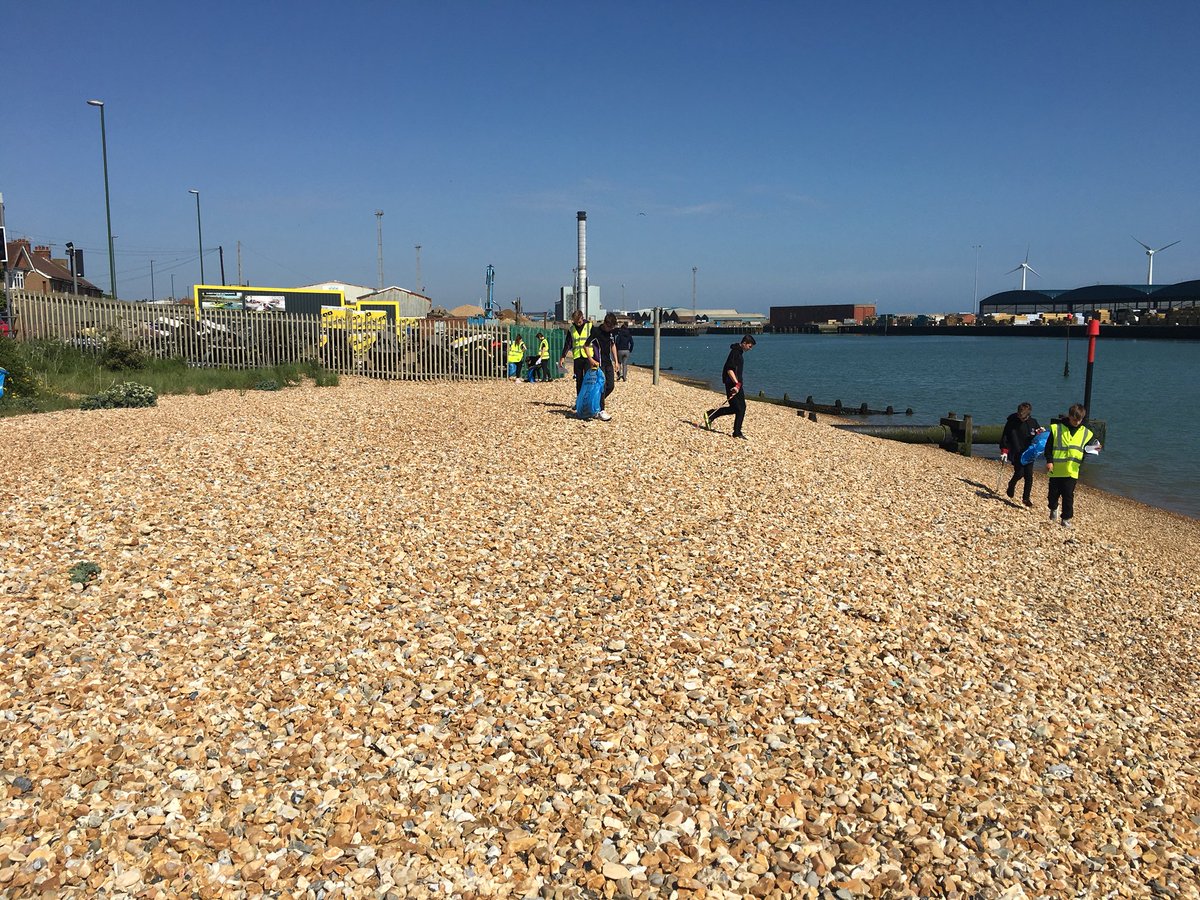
[(794, 152)]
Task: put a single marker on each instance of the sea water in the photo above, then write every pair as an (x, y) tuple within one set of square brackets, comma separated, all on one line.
[(1147, 391)]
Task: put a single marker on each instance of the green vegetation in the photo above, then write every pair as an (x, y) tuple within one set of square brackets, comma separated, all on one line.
[(129, 395), (83, 572), (49, 375)]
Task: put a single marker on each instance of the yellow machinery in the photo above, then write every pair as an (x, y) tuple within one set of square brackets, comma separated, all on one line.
[(360, 328)]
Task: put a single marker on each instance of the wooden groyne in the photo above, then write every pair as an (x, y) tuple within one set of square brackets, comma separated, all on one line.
[(953, 434)]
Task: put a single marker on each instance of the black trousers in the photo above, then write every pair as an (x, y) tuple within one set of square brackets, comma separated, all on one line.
[(609, 382), (735, 405), (581, 368), (1063, 489), (1021, 471)]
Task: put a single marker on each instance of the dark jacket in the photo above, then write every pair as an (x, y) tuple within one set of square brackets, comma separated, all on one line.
[(1017, 436), (604, 345), (624, 338), (733, 362)]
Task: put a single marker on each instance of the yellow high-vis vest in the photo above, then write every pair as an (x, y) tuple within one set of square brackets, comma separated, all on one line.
[(1066, 449), (516, 351), (579, 339)]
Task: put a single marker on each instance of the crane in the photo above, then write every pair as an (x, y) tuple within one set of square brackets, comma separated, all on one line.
[(489, 309)]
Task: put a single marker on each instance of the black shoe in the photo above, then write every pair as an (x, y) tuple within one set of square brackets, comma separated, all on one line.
[(1011, 493), (740, 435), (1028, 503)]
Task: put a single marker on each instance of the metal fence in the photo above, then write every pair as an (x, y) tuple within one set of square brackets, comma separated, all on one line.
[(424, 349)]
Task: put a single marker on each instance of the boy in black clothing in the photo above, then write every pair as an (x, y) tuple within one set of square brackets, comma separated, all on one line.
[(1018, 434), (735, 393), (606, 352)]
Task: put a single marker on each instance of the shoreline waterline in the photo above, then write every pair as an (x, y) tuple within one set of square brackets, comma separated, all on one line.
[(1148, 393)]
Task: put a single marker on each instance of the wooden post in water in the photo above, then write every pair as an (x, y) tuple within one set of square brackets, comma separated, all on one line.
[(657, 340)]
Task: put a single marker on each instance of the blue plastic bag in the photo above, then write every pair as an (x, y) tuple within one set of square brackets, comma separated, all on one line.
[(3, 375), (1036, 449), (587, 404)]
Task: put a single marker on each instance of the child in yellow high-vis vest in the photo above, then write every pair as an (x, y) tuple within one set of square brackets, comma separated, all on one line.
[(1064, 453), (516, 356)]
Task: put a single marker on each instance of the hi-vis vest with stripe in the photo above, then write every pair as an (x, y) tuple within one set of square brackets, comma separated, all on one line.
[(1066, 449), (543, 348), (579, 340), (516, 351)]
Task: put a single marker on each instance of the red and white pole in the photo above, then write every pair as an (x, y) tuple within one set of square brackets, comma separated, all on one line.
[(1093, 333)]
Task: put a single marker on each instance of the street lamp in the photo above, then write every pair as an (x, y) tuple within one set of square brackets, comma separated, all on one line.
[(112, 265), (71, 260), (976, 248), (199, 234)]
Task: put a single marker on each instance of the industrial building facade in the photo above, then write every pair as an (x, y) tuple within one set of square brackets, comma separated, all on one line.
[(787, 317), (1113, 297)]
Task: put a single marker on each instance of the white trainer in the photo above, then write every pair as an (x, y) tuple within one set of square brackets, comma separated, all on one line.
[(604, 415), (1054, 515)]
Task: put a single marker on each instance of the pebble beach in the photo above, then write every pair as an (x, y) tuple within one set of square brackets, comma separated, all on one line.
[(445, 640)]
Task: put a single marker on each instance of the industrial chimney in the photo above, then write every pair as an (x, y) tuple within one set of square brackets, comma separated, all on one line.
[(581, 281)]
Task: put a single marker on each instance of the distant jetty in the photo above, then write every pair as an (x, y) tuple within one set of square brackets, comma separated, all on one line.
[(1128, 332), (697, 330)]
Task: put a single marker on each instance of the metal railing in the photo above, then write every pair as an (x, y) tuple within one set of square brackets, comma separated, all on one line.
[(424, 349)]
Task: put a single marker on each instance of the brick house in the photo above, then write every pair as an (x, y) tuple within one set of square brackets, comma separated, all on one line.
[(33, 270)]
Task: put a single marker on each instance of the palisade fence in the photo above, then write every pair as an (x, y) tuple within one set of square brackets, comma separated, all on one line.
[(425, 349)]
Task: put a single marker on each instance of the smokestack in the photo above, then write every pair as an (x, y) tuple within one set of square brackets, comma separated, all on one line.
[(581, 282)]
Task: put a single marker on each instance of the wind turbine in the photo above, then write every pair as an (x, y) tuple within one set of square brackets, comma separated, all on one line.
[(1024, 268), (1150, 256)]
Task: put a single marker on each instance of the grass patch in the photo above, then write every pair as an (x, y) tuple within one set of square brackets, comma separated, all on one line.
[(50, 375)]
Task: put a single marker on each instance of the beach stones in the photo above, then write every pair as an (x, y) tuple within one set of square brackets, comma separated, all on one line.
[(341, 645)]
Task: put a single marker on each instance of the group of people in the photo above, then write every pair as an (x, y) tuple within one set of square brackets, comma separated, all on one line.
[(609, 347), (537, 369), (1066, 444), (606, 348)]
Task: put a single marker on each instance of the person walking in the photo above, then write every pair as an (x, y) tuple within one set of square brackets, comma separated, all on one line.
[(516, 356), (578, 347), (1018, 434), (1064, 453), (606, 352), (624, 342), (735, 392), (539, 372)]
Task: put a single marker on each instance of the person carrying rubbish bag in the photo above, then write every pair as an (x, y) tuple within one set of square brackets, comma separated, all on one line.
[(1065, 448), (1019, 433), (591, 393), (585, 354)]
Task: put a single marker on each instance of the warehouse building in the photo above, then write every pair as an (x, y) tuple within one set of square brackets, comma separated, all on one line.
[(787, 318), (1095, 297)]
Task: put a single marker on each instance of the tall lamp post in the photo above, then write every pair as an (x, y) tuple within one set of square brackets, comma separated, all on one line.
[(693, 291), (199, 234), (379, 235), (112, 265), (976, 300)]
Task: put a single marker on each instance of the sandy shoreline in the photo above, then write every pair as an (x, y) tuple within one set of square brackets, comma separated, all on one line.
[(447, 640)]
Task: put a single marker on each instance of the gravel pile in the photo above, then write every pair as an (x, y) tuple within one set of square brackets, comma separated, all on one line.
[(445, 640)]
